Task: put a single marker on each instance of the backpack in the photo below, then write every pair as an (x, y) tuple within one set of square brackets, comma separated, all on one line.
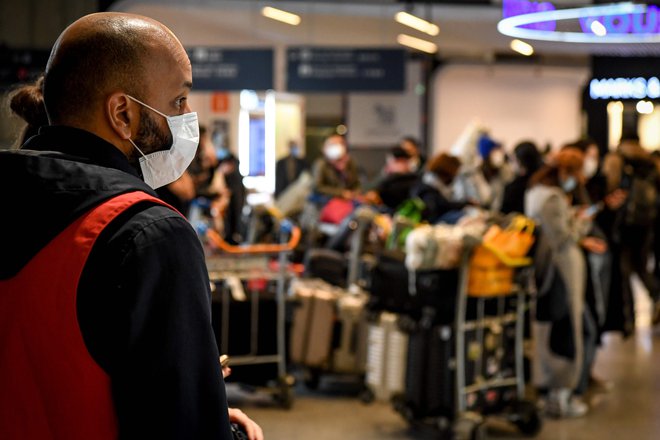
[(640, 208)]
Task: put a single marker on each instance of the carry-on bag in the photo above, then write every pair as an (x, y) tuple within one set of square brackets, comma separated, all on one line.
[(313, 323), (430, 371), (350, 345), (386, 358)]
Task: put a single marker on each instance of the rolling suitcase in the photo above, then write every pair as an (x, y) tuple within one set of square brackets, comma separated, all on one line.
[(313, 323), (390, 286), (386, 358), (437, 289), (429, 394), (350, 343)]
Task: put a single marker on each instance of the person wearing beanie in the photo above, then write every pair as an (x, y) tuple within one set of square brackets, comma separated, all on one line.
[(485, 183)]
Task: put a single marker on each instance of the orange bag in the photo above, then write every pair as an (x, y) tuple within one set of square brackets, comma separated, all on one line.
[(492, 262)]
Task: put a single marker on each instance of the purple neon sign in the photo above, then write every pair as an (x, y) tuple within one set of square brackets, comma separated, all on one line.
[(645, 23)]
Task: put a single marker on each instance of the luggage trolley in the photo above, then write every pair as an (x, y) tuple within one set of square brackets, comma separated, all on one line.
[(333, 313), (254, 264), (489, 381)]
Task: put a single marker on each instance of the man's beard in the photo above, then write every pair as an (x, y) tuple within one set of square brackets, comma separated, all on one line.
[(150, 138)]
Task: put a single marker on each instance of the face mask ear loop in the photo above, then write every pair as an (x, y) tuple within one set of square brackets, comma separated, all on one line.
[(136, 147), (148, 106)]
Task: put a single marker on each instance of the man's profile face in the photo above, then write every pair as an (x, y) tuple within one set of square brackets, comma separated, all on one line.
[(151, 136), (169, 80)]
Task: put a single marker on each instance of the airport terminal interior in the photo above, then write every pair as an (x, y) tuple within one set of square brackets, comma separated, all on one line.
[(419, 219)]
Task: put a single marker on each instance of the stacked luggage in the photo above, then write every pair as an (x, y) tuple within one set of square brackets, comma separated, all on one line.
[(462, 357), (328, 333), (329, 327)]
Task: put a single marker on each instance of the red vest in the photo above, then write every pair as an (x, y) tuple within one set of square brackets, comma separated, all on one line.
[(50, 387)]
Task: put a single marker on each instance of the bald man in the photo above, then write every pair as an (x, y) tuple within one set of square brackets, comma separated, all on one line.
[(105, 326)]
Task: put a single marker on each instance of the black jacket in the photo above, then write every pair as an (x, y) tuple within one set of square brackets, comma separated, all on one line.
[(437, 205), (143, 299), (283, 176), (514, 195)]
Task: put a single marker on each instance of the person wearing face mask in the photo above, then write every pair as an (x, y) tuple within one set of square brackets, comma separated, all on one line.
[(591, 197), (485, 183), (412, 146), (561, 351), (336, 174), (105, 309)]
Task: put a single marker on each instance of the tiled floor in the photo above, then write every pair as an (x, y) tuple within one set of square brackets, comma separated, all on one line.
[(630, 411)]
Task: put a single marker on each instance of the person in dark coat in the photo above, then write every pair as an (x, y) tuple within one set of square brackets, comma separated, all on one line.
[(435, 187), (110, 336), (527, 160), (289, 168), (633, 185)]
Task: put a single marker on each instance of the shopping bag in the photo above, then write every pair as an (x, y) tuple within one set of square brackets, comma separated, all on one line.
[(511, 244), (492, 263)]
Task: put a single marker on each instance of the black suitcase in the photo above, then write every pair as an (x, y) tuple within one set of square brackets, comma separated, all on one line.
[(430, 388), (438, 290), (390, 286)]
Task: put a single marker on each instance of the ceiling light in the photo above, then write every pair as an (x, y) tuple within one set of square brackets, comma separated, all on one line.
[(417, 23), (615, 107), (280, 15), (522, 48), (645, 107), (598, 28), (417, 43)]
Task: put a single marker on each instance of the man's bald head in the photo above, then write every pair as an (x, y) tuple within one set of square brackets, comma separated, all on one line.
[(100, 54)]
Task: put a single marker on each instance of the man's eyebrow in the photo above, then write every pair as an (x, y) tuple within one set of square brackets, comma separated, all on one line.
[(188, 84)]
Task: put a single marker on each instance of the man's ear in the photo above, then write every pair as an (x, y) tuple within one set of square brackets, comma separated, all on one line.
[(123, 117)]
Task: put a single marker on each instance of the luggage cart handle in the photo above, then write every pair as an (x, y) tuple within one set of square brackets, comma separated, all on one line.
[(261, 248)]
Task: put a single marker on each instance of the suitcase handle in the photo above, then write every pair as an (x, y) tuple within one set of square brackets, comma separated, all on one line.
[(261, 248)]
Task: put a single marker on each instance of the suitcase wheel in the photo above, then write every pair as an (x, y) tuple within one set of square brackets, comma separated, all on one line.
[(312, 378), (470, 426), (284, 393), (367, 396), (525, 416)]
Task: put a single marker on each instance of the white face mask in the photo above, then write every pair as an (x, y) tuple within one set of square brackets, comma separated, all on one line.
[(590, 167), (497, 158), (334, 151), (569, 184), (164, 167)]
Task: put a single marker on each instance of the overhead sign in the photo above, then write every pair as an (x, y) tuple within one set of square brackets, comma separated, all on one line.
[(624, 88), (216, 68), (618, 23), (312, 69)]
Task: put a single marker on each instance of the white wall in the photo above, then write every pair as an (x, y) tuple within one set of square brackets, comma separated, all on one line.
[(382, 119), (515, 102)]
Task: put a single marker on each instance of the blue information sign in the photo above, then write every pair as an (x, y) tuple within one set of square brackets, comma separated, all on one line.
[(313, 69), (216, 68)]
